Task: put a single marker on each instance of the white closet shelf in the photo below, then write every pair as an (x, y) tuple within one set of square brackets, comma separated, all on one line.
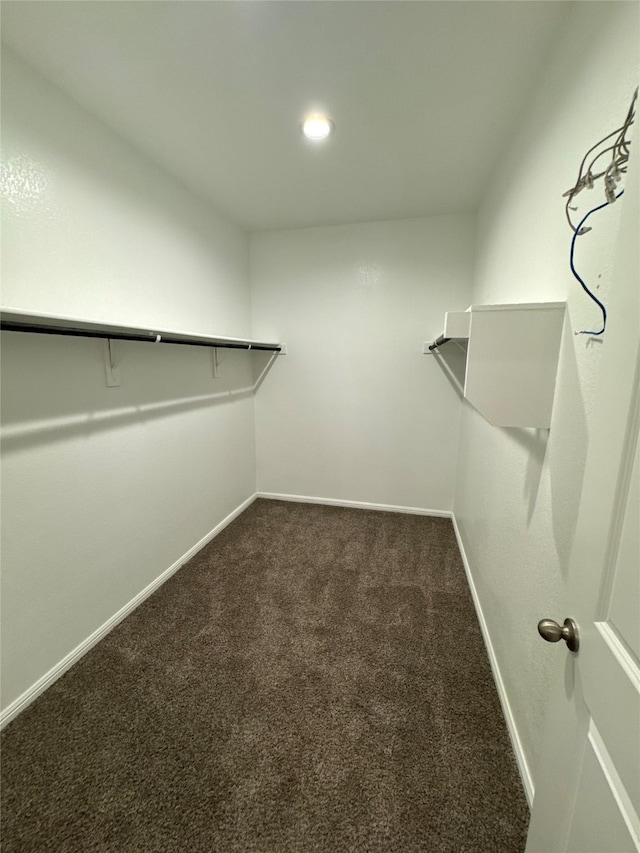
[(13, 320), (509, 372)]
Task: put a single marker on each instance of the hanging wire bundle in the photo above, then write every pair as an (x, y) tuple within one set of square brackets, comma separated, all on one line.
[(612, 174)]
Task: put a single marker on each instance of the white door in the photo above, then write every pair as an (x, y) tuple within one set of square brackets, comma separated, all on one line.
[(588, 791)]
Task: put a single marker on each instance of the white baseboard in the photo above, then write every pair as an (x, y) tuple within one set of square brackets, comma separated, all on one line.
[(67, 662), (523, 766), (412, 510)]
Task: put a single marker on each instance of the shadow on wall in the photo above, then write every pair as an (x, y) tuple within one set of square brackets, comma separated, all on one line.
[(564, 448), (534, 442), (567, 449), (54, 389)]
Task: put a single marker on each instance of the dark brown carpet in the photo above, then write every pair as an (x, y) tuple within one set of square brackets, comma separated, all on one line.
[(313, 680)]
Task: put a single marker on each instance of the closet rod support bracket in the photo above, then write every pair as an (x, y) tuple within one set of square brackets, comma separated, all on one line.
[(111, 359)]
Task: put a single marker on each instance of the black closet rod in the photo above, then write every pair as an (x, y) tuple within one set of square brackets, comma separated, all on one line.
[(439, 341), (8, 326)]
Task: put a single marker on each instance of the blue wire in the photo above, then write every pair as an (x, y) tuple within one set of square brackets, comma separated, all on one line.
[(577, 234)]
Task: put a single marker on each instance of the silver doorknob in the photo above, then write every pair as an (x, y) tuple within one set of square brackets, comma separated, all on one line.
[(550, 631)]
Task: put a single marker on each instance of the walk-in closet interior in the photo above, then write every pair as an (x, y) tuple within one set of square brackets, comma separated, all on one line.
[(307, 426)]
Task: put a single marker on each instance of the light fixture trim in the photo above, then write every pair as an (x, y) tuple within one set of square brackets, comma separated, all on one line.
[(317, 127)]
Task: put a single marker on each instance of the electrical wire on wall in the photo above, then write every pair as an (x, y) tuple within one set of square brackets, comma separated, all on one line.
[(587, 176)]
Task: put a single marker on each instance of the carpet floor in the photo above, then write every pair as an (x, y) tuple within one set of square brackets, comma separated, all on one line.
[(313, 680)]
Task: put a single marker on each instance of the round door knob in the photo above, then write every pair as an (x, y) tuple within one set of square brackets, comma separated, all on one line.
[(550, 631)]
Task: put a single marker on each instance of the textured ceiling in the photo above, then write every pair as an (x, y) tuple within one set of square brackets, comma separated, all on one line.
[(421, 93)]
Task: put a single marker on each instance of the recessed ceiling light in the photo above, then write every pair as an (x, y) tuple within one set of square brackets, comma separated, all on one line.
[(317, 127)]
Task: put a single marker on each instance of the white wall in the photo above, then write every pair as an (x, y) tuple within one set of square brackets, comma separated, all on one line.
[(518, 491), (355, 412), (105, 488)]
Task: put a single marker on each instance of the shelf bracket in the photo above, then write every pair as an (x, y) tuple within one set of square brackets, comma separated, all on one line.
[(111, 368), (214, 362)]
